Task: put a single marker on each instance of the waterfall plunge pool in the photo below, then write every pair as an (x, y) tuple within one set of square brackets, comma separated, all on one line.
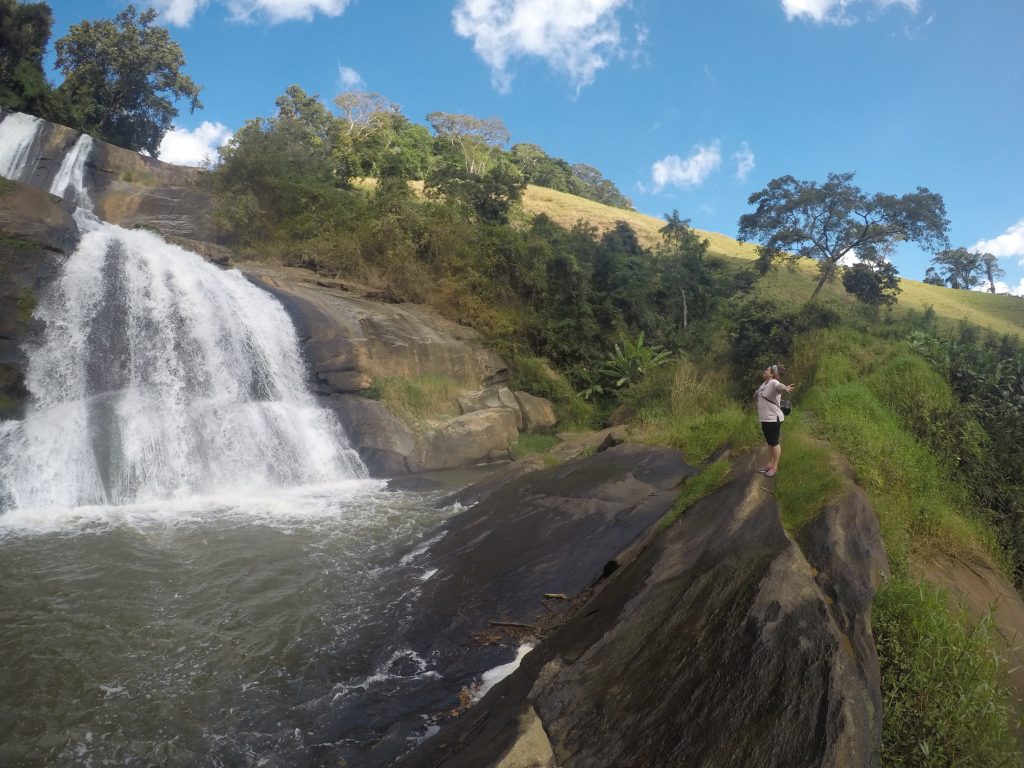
[(215, 631)]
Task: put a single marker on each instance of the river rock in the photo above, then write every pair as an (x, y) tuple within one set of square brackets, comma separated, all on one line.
[(492, 397), (538, 413), (718, 644), (473, 438)]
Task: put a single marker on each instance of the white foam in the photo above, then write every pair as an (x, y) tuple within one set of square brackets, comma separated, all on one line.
[(492, 677), (18, 133)]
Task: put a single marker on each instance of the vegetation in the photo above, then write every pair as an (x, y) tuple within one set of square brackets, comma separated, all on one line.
[(800, 219), (122, 77)]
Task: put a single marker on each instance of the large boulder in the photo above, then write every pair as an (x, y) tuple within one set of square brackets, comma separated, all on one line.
[(719, 644)]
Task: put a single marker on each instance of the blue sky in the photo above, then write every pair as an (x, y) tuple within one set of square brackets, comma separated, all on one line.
[(684, 104)]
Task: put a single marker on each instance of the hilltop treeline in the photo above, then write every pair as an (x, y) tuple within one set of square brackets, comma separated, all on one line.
[(288, 188)]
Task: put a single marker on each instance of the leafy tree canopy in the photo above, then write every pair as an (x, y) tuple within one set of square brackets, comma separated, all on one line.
[(959, 268), (800, 219), (122, 78), (24, 33), (874, 284)]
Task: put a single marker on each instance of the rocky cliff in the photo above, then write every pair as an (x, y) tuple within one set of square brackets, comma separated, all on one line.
[(724, 641)]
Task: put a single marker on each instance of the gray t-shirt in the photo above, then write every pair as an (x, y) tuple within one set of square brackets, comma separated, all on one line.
[(768, 409)]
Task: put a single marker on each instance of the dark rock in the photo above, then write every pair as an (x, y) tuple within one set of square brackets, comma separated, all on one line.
[(715, 645), (414, 483)]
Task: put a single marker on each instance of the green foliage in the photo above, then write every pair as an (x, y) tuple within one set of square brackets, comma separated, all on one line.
[(875, 285), (632, 360), (800, 219), (554, 173), (696, 488), (122, 79), (690, 410), (810, 479), (26, 305), (529, 443), (535, 375), (959, 268), (24, 33), (942, 685)]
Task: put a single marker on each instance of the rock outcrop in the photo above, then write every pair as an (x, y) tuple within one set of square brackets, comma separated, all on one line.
[(723, 642)]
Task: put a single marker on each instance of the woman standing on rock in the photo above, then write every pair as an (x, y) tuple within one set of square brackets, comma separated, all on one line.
[(769, 412)]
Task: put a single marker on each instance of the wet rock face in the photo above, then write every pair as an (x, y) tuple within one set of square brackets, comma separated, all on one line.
[(351, 341), (35, 235), (534, 530), (716, 646)]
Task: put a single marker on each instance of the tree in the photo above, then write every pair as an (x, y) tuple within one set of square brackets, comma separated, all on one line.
[(992, 269), (931, 277), (959, 268), (684, 277), (476, 138), (874, 284), (800, 219), (123, 77), (24, 32)]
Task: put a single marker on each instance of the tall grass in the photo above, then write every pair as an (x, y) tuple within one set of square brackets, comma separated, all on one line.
[(942, 685), (693, 412), (412, 398)]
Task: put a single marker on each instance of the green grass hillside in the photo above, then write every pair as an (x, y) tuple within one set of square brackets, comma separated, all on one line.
[(1000, 313)]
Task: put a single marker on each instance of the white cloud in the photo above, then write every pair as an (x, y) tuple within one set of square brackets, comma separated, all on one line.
[(349, 78), (181, 12), (575, 37), (691, 172), (744, 158), (178, 12), (184, 147), (835, 11), (1010, 243), (1002, 287)]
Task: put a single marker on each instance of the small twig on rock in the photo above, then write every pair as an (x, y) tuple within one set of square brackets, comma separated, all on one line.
[(555, 596), (516, 624), (767, 491)]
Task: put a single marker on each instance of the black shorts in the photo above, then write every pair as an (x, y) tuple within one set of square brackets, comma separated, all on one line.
[(772, 431)]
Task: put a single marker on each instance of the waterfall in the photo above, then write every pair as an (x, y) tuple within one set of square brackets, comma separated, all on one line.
[(72, 173), (18, 133), (160, 376)]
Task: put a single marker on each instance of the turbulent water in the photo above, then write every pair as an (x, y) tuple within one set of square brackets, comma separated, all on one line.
[(195, 568)]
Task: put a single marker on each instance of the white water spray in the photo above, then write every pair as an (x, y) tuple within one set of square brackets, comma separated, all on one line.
[(161, 376), (18, 134), (72, 173)]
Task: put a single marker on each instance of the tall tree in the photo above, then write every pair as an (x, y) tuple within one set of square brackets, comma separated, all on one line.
[(685, 279), (990, 263), (122, 78), (24, 33), (800, 219), (960, 268), (476, 138)]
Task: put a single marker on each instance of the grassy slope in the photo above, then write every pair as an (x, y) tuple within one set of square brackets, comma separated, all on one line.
[(1003, 314)]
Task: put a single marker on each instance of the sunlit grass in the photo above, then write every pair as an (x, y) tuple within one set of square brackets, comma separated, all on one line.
[(412, 398)]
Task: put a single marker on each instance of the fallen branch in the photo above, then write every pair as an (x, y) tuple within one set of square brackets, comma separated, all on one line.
[(515, 624)]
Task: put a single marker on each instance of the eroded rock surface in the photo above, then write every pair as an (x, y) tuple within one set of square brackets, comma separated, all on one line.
[(719, 644)]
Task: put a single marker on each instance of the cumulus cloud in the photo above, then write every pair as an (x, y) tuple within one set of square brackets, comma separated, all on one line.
[(691, 172), (1006, 245), (349, 78), (183, 147), (835, 11), (181, 12), (575, 37), (744, 158)]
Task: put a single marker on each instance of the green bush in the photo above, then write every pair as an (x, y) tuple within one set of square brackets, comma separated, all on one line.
[(944, 701)]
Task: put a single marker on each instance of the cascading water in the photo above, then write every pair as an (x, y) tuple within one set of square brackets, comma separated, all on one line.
[(161, 376), (18, 134), (72, 173)]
